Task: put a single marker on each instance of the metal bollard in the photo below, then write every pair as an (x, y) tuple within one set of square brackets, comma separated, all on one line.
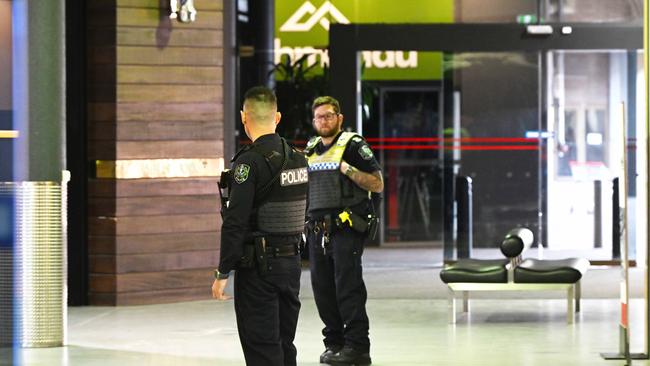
[(38, 260)]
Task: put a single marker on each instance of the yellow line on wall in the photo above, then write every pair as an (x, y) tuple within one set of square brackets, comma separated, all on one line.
[(8, 134)]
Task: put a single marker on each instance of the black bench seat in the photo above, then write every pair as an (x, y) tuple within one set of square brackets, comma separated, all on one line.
[(476, 270), (568, 270), (515, 274)]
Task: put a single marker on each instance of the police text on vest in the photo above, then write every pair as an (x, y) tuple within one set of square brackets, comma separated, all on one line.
[(293, 176)]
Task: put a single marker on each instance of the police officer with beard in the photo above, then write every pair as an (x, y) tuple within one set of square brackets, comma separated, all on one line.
[(263, 221), (342, 174)]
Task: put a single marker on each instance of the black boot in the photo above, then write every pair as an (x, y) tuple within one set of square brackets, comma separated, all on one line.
[(350, 357), (329, 352)]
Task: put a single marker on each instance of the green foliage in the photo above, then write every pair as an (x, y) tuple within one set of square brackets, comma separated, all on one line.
[(297, 85)]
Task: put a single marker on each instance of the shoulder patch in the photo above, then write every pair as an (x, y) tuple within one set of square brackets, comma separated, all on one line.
[(357, 139), (365, 152), (241, 173), (313, 142)]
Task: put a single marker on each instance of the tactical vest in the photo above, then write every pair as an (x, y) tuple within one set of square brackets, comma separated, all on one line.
[(281, 205), (328, 188)]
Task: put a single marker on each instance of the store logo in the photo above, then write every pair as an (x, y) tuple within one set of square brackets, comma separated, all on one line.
[(319, 16), (322, 16)]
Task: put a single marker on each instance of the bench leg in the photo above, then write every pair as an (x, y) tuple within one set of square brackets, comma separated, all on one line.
[(451, 306), (570, 315), (578, 296), (465, 301)]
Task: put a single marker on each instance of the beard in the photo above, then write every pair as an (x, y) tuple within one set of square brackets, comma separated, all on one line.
[(327, 132)]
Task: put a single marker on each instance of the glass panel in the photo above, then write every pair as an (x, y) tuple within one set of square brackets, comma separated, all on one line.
[(491, 138), (539, 134), (587, 92), (595, 10), (409, 151)]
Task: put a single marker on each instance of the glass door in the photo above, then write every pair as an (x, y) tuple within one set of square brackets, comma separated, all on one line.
[(409, 147), (592, 95), (540, 136), (492, 110)]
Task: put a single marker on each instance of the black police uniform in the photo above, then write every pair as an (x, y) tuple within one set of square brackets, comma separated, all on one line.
[(266, 295), (336, 268)]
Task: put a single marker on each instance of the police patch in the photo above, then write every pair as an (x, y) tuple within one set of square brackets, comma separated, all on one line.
[(241, 173), (365, 152), (293, 176)]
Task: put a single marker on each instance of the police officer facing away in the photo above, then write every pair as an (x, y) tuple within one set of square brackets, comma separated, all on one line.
[(263, 222), (342, 173)]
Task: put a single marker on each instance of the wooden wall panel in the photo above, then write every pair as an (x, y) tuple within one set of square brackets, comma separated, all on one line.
[(188, 110), (163, 93), (155, 187), (146, 74), (152, 205), (150, 17), (155, 92), (155, 4), (160, 38), (154, 243), (156, 262), (142, 55), (156, 130)]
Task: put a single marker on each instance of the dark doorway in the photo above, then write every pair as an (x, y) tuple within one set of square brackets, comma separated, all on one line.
[(408, 146)]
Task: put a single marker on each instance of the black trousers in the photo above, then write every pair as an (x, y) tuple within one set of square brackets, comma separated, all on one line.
[(267, 312), (339, 290)]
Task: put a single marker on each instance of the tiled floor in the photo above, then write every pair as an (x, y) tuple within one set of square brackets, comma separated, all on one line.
[(408, 314)]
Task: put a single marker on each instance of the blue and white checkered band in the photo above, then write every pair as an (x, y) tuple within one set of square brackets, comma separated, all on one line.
[(323, 166)]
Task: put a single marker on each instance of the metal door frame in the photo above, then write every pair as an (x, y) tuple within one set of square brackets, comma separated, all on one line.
[(347, 40)]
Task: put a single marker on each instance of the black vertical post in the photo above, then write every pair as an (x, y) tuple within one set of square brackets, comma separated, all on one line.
[(598, 214), (449, 165), (344, 72), (76, 152), (616, 221), (630, 110), (464, 217), (263, 19)]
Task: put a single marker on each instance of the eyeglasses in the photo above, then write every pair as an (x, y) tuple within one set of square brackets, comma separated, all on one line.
[(327, 116)]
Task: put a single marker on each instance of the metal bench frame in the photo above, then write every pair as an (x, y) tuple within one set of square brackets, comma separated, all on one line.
[(573, 292)]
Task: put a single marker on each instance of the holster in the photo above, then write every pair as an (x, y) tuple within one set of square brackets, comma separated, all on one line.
[(224, 184), (364, 225), (255, 255), (260, 255), (358, 224), (373, 227)]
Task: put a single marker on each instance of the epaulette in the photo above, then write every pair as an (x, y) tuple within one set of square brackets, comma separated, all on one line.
[(311, 144), (241, 151)]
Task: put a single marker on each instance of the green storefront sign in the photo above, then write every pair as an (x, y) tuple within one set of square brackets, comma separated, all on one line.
[(301, 28)]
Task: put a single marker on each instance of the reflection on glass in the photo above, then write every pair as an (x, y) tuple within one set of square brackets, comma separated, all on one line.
[(410, 157)]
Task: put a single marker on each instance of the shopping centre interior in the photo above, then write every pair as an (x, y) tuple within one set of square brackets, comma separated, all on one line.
[(116, 121)]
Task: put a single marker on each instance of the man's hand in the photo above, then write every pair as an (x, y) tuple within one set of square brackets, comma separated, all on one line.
[(217, 289)]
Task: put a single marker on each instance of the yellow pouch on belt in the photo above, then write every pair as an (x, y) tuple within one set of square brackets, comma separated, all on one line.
[(356, 222)]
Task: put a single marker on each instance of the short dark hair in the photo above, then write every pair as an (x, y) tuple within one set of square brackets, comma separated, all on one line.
[(326, 100), (261, 101), (261, 94)]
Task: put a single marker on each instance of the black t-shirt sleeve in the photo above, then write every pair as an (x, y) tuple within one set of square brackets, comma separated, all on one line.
[(359, 154), (236, 217)]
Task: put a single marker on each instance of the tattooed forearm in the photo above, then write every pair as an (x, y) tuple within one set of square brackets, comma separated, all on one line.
[(372, 182)]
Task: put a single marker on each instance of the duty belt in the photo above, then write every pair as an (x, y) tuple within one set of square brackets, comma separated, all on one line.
[(281, 251)]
